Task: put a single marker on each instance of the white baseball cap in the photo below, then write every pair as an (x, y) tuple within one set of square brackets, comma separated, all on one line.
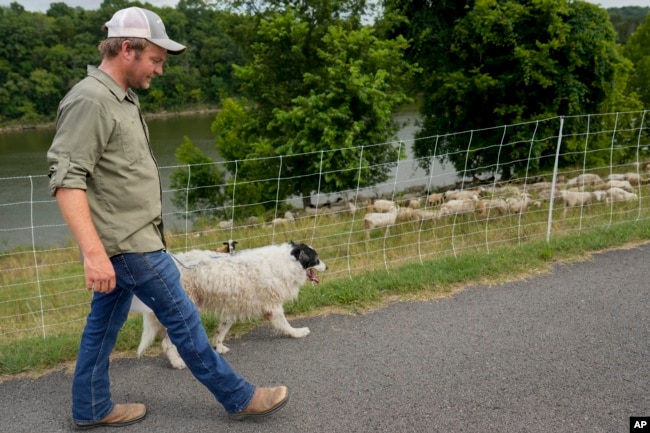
[(136, 22)]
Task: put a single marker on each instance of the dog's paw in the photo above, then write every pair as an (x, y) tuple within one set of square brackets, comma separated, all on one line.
[(172, 354), (178, 364), (300, 332), (222, 349), (175, 359)]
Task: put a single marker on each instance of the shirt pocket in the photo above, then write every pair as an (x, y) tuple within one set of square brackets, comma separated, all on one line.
[(133, 139)]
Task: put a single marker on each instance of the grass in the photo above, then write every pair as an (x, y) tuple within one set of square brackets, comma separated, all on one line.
[(368, 289), (43, 302)]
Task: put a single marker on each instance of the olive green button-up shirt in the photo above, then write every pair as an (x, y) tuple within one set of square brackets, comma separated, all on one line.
[(102, 146)]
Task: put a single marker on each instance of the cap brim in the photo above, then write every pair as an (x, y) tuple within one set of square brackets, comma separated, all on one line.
[(171, 46)]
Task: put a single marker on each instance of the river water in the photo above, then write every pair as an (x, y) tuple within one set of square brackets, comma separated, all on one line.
[(29, 216)]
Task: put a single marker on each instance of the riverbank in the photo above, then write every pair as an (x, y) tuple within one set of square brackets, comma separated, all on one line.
[(147, 116)]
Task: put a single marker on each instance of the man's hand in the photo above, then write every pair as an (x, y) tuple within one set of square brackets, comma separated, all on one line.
[(98, 269), (99, 272)]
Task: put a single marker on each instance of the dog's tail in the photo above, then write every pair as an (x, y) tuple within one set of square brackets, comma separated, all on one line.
[(150, 328)]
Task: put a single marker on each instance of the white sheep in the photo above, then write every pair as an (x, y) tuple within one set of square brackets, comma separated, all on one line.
[(435, 199), (459, 207), (619, 194), (575, 198), (226, 225), (463, 194), (502, 191), (522, 203), (288, 218), (599, 195), (383, 206), (585, 179), (546, 195), (623, 184), (635, 179), (407, 214), (427, 215), (414, 203), (375, 220), (485, 207)]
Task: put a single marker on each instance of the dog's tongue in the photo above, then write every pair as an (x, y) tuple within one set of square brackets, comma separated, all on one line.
[(312, 276)]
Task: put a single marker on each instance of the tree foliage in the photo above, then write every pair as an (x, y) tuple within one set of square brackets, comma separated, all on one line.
[(626, 19), (43, 55), (199, 185), (312, 92), (515, 61), (427, 25), (636, 49)]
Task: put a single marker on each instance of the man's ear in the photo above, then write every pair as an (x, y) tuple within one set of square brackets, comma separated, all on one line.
[(127, 51)]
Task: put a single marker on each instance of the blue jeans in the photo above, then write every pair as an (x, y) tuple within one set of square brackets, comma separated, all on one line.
[(156, 280)]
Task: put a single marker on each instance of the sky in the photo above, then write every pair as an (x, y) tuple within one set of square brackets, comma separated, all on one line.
[(620, 3), (43, 5)]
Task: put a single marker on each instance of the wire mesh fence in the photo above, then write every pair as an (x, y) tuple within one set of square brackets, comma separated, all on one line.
[(514, 184)]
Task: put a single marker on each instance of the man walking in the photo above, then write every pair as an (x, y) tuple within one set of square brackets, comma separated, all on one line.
[(106, 183)]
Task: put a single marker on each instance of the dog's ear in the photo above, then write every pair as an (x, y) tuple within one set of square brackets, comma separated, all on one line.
[(300, 255), (303, 257)]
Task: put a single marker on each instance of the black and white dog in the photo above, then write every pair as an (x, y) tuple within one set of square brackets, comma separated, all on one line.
[(249, 284)]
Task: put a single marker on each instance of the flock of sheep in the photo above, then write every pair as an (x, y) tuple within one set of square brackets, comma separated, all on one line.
[(498, 200), (481, 201)]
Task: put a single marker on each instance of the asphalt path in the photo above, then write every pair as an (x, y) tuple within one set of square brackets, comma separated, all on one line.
[(561, 352)]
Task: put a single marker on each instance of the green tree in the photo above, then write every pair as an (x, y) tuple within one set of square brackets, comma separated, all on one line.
[(43, 87), (428, 26), (636, 49), (199, 186), (314, 102), (510, 62), (626, 19), (213, 49), (42, 61), (251, 159), (64, 41)]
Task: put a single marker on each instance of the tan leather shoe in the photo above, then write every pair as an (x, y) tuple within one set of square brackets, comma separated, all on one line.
[(265, 401), (121, 415)]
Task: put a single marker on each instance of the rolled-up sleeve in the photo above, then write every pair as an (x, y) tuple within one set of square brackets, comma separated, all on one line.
[(77, 145)]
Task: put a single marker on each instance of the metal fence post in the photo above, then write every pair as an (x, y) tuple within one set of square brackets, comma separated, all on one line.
[(554, 182)]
